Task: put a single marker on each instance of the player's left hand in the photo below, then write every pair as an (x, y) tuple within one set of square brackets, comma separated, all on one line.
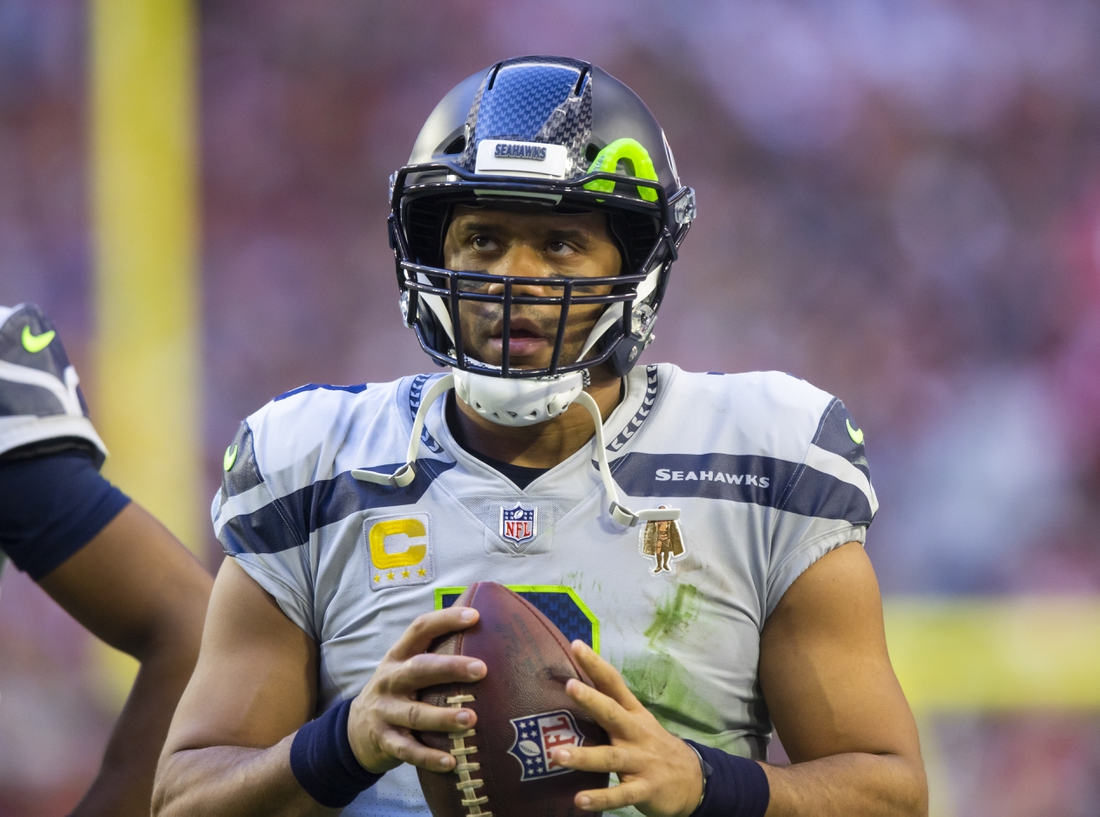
[(658, 773)]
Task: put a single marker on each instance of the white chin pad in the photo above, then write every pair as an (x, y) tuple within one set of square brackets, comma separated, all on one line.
[(515, 401)]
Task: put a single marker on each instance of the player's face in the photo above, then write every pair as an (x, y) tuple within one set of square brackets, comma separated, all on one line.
[(533, 244)]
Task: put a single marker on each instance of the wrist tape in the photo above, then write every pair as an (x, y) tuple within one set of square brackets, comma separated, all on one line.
[(736, 786), (323, 762)]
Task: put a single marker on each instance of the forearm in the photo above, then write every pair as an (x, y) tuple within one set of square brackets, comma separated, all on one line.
[(849, 785), (124, 784), (233, 781), (139, 590)]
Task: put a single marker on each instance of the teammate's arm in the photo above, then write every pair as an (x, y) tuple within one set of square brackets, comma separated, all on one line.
[(104, 559), (122, 576), (138, 589), (255, 685)]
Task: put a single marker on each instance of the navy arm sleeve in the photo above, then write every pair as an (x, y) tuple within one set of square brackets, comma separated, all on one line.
[(51, 506)]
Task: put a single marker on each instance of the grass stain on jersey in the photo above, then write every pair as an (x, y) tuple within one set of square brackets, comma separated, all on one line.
[(661, 682), (674, 615), (667, 689), (576, 579)]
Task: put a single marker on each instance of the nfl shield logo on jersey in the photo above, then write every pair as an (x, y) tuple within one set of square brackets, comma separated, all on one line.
[(518, 524), (536, 735)]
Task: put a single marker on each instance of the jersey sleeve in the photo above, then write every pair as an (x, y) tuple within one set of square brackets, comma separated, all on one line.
[(40, 399), (827, 502), (260, 530), (51, 506)]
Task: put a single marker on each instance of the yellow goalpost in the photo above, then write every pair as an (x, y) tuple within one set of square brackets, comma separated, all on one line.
[(142, 166)]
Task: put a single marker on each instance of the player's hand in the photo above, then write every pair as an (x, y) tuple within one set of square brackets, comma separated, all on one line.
[(658, 773), (385, 713)]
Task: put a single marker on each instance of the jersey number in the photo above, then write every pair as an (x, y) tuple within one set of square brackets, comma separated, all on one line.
[(558, 603)]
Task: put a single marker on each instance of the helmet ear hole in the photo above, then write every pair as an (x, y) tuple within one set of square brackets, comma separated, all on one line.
[(457, 145), (591, 152)]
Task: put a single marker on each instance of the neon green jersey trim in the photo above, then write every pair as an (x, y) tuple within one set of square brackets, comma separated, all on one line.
[(440, 592), (36, 343), (230, 457), (855, 433), (607, 161)]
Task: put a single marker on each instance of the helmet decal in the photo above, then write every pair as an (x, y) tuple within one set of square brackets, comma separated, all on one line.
[(498, 157), (629, 150)]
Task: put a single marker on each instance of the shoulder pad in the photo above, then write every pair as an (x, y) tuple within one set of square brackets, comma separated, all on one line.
[(40, 397)]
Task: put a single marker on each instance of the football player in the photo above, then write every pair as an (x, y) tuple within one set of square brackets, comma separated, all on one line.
[(534, 229), (103, 558)]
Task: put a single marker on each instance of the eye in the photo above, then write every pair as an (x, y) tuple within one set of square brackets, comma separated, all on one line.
[(559, 248), (482, 243)]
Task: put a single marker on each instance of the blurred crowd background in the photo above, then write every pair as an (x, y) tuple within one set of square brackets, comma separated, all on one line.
[(898, 201)]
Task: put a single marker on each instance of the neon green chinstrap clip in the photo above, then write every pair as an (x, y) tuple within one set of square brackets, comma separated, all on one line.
[(607, 161)]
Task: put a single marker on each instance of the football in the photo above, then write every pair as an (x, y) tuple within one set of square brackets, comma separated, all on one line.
[(522, 713)]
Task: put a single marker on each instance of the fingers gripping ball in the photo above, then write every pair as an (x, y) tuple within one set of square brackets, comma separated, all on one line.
[(522, 710)]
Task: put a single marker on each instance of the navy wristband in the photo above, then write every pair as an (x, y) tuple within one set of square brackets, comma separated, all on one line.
[(736, 787), (323, 762)]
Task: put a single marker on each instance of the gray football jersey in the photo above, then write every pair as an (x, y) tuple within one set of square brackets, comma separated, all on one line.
[(769, 473)]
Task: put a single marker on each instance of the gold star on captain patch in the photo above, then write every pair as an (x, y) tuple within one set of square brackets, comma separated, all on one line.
[(378, 578), (405, 573), (422, 572), (390, 575)]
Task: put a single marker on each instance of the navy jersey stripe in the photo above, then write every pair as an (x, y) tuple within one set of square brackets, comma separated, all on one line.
[(289, 520), (265, 531), (25, 399), (819, 494), (742, 478)]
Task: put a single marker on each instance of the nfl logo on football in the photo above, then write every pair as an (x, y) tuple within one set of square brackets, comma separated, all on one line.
[(518, 524), (536, 735)]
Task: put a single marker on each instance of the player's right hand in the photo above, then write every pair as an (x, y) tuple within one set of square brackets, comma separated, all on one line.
[(386, 712)]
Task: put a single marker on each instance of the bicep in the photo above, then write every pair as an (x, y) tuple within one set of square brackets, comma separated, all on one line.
[(51, 506), (132, 584), (256, 677), (824, 667)]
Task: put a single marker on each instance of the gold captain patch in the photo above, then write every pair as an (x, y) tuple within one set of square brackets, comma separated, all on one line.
[(400, 552)]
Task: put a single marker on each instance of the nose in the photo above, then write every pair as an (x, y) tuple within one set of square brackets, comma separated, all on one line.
[(524, 262)]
